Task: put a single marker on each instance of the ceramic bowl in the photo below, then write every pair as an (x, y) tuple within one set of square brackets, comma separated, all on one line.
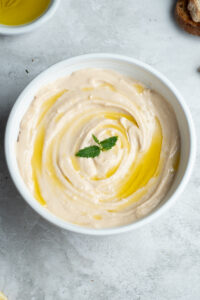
[(20, 29), (137, 70)]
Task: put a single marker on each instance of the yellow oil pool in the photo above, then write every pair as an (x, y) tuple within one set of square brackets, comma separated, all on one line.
[(19, 12)]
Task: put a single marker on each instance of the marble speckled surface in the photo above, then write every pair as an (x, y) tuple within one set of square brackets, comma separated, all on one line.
[(160, 261)]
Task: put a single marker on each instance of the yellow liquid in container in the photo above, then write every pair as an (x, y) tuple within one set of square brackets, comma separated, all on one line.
[(19, 12)]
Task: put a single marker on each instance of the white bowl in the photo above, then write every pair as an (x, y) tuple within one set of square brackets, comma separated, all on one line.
[(20, 29), (138, 71)]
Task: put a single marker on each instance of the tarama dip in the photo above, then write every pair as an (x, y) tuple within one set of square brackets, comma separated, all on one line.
[(120, 185)]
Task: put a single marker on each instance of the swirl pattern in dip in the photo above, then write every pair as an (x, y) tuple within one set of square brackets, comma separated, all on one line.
[(120, 185)]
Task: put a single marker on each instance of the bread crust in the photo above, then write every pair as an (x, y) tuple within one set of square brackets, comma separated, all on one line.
[(184, 20)]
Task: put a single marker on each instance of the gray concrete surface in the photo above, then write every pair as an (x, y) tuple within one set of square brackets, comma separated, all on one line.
[(157, 262)]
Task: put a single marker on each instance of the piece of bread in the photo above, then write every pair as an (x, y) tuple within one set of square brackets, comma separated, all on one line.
[(184, 19), (194, 9)]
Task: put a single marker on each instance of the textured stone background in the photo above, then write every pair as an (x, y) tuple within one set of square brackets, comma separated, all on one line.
[(159, 261)]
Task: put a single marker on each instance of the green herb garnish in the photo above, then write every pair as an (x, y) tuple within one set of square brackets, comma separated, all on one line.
[(96, 139), (91, 151), (94, 151), (108, 143)]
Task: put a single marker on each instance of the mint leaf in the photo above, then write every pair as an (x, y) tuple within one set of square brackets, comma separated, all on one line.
[(108, 143), (93, 151), (96, 139), (87, 152)]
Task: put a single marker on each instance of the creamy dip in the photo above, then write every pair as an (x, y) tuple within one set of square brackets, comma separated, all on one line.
[(120, 185)]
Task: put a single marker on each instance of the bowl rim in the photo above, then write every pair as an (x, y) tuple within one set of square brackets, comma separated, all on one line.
[(24, 28), (42, 211)]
